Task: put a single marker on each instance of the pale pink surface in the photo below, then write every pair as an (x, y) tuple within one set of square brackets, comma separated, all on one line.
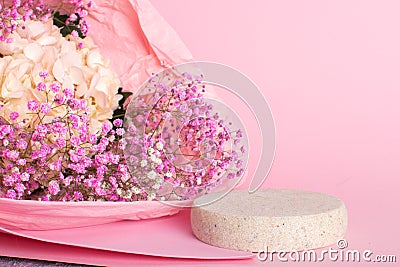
[(29, 248)]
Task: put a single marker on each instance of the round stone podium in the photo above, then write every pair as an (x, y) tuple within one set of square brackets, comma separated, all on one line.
[(269, 219)]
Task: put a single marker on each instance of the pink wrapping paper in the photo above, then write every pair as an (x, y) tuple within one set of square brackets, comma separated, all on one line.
[(136, 39), (39, 215)]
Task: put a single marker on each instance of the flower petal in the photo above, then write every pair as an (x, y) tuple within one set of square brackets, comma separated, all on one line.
[(34, 52), (58, 71)]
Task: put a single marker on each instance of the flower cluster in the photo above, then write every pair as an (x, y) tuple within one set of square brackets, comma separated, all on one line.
[(60, 159), (62, 133), (172, 146), (14, 14), (177, 145)]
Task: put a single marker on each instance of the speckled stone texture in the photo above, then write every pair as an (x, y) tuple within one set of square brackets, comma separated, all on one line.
[(277, 219)]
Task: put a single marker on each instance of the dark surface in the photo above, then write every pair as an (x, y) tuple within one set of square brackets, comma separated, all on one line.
[(14, 262)]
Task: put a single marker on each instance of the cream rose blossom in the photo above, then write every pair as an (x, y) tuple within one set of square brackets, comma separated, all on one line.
[(73, 62)]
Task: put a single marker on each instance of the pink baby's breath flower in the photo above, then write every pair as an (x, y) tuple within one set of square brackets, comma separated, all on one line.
[(25, 177), (9, 180), (42, 130), (17, 3), (31, 170), (132, 129), (73, 17), (240, 172), (69, 93), (74, 157), (22, 144), (45, 108), (106, 127), (75, 141), (83, 104), (41, 86), (117, 122), (12, 155), (59, 99), (56, 166), (60, 142), (74, 104), (21, 162), (55, 87), (43, 74), (14, 115), (11, 194), (45, 198), (92, 138), (54, 187), (74, 34), (19, 188), (78, 195), (120, 131), (33, 105), (78, 168), (104, 141), (84, 27), (83, 13), (81, 152), (122, 168)]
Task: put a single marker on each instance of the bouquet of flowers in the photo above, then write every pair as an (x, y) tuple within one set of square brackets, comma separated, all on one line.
[(67, 132)]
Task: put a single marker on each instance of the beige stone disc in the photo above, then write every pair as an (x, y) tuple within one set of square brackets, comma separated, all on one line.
[(273, 219)]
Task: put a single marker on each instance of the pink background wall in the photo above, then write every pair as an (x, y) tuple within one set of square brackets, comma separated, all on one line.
[(331, 73)]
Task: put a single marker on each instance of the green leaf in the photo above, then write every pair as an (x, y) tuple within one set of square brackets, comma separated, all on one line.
[(65, 29)]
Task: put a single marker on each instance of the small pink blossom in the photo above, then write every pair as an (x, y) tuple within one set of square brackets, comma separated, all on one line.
[(45, 108), (41, 86), (59, 99), (43, 74), (74, 34), (120, 131), (106, 127), (55, 87), (69, 93), (14, 115), (22, 144), (75, 141), (117, 123), (54, 187), (11, 194), (33, 105), (60, 142)]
